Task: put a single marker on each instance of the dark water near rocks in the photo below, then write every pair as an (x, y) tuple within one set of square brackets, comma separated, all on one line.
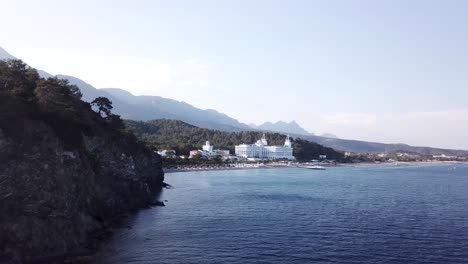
[(394, 214)]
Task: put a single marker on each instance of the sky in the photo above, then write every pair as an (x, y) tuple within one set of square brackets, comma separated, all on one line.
[(389, 71)]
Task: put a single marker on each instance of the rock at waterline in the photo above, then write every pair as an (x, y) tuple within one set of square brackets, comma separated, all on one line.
[(158, 203)]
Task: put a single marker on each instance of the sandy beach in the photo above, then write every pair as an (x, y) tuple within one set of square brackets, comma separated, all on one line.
[(362, 164), (247, 167)]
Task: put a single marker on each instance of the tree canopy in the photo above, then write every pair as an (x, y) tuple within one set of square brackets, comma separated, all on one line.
[(59, 103), (103, 104), (182, 137), (52, 100)]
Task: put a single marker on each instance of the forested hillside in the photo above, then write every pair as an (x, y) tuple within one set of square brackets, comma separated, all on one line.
[(182, 137), (66, 171)]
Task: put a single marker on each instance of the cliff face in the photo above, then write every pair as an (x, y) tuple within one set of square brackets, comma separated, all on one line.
[(51, 198), (63, 177)]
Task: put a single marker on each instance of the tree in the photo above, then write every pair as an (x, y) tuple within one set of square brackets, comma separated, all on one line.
[(103, 104), (17, 79), (57, 95), (75, 91)]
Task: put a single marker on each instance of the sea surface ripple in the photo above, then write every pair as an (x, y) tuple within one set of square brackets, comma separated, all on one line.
[(386, 214)]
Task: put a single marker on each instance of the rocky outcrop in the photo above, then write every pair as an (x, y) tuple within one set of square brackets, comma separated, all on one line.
[(53, 196)]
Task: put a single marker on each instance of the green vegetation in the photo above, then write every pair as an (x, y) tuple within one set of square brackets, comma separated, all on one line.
[(23, 94), (26, 96), (103, 105), (66, 171), (182, 137)]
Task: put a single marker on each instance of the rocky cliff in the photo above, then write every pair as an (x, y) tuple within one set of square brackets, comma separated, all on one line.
[(64, 174)]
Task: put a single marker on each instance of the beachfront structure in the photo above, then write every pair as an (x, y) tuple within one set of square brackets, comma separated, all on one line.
[(207, 147), (167, 153), (261, 150), (224, 153), (194, 153), (207, 151)]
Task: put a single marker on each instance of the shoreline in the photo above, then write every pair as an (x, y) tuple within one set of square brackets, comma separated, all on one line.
[(399, 163), (350, 165), (225, 168)]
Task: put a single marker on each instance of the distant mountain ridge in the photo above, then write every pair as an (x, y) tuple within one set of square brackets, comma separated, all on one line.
[(146, 108), (288, 128), (374, 147), (4, 55), (283, 127), (329, 135)]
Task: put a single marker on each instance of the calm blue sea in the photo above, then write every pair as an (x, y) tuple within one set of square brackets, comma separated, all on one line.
[(393, 214)]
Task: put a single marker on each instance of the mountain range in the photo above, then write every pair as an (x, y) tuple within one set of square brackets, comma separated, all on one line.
[(292, 128), (146, 108), (284, 127), (4, 55)]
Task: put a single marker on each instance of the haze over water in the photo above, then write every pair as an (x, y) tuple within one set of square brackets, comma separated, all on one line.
[(391, 214)]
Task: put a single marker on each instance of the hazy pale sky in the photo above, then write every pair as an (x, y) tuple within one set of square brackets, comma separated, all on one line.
[(388, 71)]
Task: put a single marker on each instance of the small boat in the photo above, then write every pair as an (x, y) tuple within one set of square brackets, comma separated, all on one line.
[(313, 167)]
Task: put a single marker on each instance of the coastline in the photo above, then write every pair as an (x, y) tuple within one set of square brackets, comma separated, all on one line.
[(168, 171), (399, 163), (350, 165)]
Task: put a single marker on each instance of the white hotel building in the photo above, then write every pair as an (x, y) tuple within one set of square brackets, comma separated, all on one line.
[(261, 150)]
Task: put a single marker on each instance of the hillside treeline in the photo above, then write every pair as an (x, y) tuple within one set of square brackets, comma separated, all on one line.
[(182, 137)]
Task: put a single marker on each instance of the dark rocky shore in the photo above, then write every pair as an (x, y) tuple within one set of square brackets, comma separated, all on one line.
[(67, 173), (54, 201)]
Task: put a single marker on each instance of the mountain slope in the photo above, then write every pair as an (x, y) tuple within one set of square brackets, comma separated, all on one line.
[(149, 107), (162, 107), (373, 147), (145, 108), (283, 127), (328, 135), (4, 55)]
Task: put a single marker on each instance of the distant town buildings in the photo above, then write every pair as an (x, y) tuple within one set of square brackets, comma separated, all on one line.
[(224, 153), (207, 147), (207, 151), (167, 153), (443, 156), (194, 153), (261, 150)]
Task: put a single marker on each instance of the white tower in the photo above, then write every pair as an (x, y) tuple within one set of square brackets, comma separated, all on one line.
[(287, 142), (208, 147), (264, 141)]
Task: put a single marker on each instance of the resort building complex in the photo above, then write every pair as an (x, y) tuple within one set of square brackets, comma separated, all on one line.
[(261, 150)]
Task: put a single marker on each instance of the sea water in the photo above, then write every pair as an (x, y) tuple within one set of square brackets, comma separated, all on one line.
[(383, 214)]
